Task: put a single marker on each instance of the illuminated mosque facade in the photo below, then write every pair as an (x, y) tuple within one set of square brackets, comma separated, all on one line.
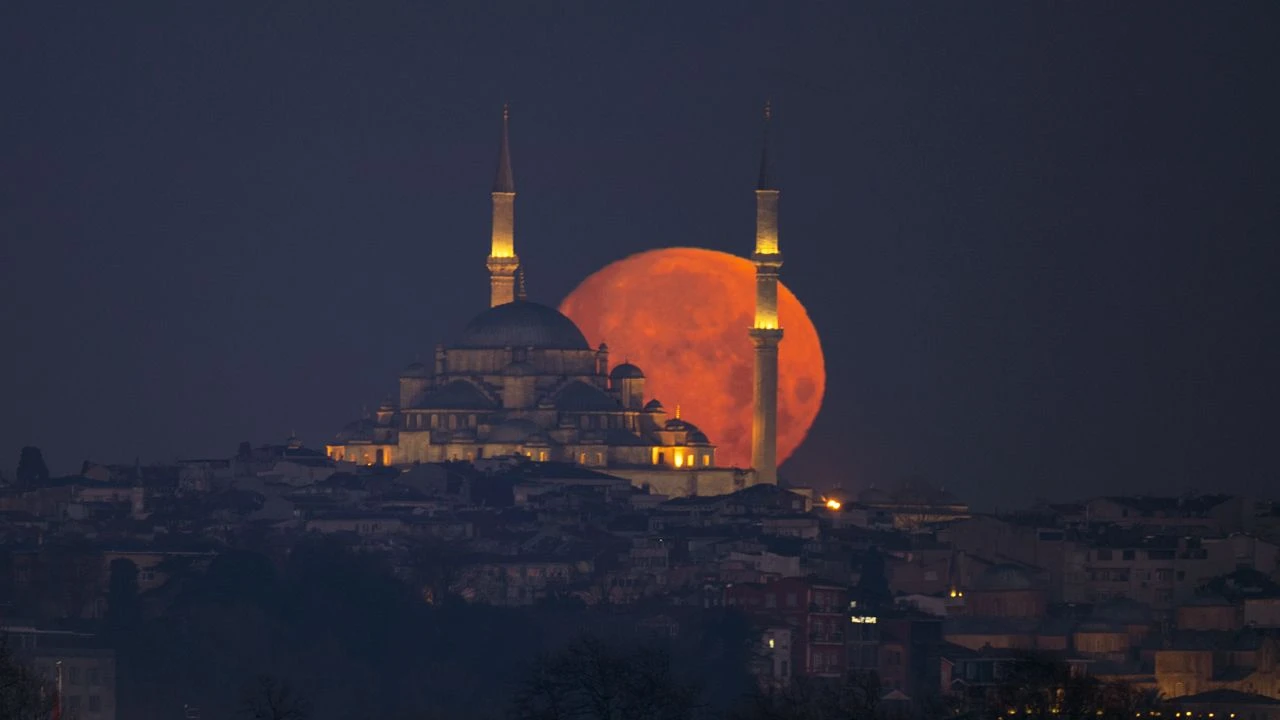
[(522, 381)]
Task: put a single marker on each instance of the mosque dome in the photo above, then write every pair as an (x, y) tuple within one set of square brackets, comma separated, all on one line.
[(676, 424), (1004, 576), (626, 371), (415, 370), (697, 437), (654, 406), (515, 431), (522, 324)]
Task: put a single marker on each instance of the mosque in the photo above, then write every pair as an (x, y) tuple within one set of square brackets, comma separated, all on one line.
[(522, 380)]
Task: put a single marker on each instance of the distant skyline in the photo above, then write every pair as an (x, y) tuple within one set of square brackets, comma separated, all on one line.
[(1038, 240)]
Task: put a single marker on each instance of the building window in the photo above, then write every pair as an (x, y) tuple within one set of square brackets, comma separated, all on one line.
[(73, 704), (93, 676), (582, 458), (95, 704), (791, 599), (706, 461), (73, 675), (435, 421), (662, 458), (770, 601), (471, 421), (599, 458), (1127, 555), (453, 422)]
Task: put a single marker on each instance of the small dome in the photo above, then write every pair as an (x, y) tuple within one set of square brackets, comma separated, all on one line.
[(515, 430), (654, 406), (1005, 576), (519, 369), (626, 371), (415, 370), (522, 324), (697, 437), (873, 496), (676, 425)]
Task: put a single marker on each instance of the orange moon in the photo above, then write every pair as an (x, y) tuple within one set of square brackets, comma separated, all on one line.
[(682, 315)]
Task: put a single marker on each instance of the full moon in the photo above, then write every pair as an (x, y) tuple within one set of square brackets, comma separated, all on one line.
[(682, 315)]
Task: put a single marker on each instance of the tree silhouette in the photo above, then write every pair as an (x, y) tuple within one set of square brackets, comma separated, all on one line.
[(124, 610), (23, 694), (590, 680), (855, 697), (31, 468), (1038, 686), (873, 582), (268, 698)]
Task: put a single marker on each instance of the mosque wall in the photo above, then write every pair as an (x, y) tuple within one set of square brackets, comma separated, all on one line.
[(685, 483)]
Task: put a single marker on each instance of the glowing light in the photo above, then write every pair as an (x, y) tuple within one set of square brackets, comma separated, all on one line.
[(682, 315), (833, 504), (679, 459), (954, 593), (770, 642), (862, 620)]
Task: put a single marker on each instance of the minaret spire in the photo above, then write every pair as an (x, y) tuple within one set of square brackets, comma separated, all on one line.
[(504, 181), (766, 332), (766, 171), (503, 261)]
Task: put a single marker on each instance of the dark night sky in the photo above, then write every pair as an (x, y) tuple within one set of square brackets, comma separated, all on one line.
[(1038, 239)]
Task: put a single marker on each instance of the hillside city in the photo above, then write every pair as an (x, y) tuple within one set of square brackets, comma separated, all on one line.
[(146, 588)]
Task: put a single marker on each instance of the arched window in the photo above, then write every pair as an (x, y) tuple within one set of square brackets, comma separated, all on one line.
[(435, 421), (662, 458), (453, 422), (471, 421)]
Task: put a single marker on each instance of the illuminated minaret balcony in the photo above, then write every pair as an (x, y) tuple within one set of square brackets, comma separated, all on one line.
[(503, 261), (766, 331)]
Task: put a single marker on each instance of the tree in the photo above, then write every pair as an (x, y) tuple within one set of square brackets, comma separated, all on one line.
[(590, 680), (268, 698), (1040, 686), (124, 610), (31, 468), (856, 697), (23, 694), (873, 582)]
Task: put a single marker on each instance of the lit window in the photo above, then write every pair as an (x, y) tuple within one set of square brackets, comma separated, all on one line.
[(706, 461), (770, 642)]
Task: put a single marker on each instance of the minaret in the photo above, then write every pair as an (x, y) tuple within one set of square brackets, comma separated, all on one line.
[(767, 333), (502, 261)]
